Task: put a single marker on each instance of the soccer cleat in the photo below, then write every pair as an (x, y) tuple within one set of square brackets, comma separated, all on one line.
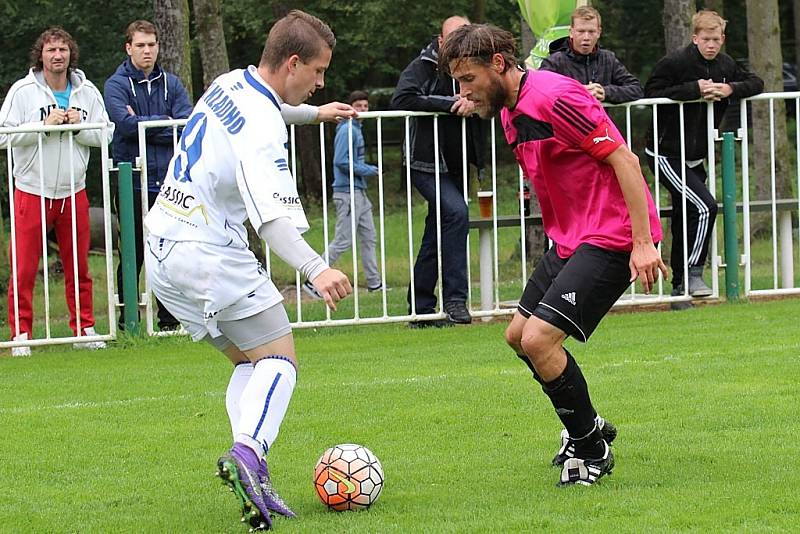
[(89, 345), (271, 497), (587, 471), (567, 450), (311, 291), (457, 312), (240, 470)]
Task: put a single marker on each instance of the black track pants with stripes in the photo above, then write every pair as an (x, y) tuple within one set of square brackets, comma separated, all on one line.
[(701, 212)]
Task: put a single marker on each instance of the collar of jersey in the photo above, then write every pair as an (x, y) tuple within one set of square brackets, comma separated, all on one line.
[(260, 87)]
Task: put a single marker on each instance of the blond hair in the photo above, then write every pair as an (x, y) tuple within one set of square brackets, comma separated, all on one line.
[(707, 20), (586, 13)]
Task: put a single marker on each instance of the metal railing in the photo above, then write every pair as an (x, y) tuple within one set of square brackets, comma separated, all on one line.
[(489, 256), (493, 280)]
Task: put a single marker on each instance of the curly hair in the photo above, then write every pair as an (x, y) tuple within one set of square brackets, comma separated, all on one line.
[(55, 33)]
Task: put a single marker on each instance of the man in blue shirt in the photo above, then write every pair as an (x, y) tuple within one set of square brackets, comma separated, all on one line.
[(140, 90), (358, 207)]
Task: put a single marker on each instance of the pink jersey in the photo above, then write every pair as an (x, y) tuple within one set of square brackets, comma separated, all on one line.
[(560, 135)]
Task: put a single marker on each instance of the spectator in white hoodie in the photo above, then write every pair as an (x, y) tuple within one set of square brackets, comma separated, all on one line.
[(50, 179)]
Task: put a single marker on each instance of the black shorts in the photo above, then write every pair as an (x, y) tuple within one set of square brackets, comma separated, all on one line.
[(574, 294)]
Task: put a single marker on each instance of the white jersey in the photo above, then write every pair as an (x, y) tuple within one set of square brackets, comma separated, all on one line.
[(231, 164)]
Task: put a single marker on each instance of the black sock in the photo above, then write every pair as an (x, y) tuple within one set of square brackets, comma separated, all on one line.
[(531, 367), (590, 447), (569, 394)]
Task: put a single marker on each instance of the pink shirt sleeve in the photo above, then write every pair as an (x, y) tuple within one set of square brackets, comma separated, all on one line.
[(580, 121)]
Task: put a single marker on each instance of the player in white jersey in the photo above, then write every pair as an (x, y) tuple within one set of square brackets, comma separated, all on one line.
[(231, 165)]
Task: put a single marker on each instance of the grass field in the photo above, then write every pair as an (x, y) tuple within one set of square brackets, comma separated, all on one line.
[(125, 440)]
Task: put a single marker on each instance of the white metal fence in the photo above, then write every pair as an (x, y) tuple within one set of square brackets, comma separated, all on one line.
[(500, 275)]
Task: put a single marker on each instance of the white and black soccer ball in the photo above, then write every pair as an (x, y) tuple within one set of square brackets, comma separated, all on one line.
[(348, 477)]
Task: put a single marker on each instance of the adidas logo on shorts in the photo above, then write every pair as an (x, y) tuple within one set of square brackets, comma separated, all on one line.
[(569, 297)]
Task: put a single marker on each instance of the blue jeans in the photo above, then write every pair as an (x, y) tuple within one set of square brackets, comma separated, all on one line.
[(454, 231)]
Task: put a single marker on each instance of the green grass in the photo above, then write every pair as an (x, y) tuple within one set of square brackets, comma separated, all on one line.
[(126, 440)]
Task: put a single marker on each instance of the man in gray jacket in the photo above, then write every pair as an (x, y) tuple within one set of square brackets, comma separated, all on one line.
[(598, 69), (50, 180)]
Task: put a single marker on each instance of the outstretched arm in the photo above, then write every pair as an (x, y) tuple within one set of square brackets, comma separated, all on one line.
[(284, 239)]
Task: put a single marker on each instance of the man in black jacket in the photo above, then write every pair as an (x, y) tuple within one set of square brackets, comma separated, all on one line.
[(698, 71), (423, 88), (579, 57)]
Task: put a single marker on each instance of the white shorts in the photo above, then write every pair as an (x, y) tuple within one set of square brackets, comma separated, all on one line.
[(200, 283)]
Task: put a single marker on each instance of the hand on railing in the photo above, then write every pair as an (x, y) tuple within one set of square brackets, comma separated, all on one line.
[(335, 112), (333, 285)]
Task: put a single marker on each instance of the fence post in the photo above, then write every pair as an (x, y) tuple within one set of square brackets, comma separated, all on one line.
[(128, 238), (729, 212)]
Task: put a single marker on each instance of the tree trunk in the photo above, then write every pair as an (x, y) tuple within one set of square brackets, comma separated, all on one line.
[(211, 37), (796, 10), (527, 38), (478, 11), (715, 5), (171, 18), (766, 60), (677, 19)]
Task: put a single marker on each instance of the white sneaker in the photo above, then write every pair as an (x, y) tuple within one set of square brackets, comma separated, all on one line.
[(90, 345), (21, 351)]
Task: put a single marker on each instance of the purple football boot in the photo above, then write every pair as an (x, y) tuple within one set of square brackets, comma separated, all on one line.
[(241, 470), (271, 497)]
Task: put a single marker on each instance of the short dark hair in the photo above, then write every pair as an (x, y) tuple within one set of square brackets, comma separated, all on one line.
[(296, 33), (54, 33), (478, 42), (142, 26), (357, 95)]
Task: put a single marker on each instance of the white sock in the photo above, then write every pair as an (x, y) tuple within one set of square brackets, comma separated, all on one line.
[(264, 402), (239, 378)]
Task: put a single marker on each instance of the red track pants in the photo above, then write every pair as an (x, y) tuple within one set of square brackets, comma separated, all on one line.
[(58, 214)]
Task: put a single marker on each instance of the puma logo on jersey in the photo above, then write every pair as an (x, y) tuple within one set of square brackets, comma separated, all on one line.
[(597, 140), (569, 297)]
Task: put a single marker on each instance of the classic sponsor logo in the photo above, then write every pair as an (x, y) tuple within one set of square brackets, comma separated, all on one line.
[(179, 202), (288, 201)]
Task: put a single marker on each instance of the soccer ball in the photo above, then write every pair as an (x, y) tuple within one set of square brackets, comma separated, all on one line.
[(348, 477)]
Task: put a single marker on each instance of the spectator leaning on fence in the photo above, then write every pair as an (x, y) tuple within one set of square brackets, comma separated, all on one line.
[(698, 71), (140, 90), (581, 58), (597, 209), (423, 88), (360, 209), (54, 92)]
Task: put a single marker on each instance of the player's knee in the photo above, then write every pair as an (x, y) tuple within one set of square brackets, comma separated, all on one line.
[(513, 337), (536, 345)]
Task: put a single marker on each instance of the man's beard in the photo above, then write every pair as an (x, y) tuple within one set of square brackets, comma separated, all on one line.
[(495, 99)]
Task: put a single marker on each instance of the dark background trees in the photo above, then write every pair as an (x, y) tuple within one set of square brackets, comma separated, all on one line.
[(375, 39)]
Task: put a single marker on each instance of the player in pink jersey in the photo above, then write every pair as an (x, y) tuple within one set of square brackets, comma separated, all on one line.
[(596, 207)]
